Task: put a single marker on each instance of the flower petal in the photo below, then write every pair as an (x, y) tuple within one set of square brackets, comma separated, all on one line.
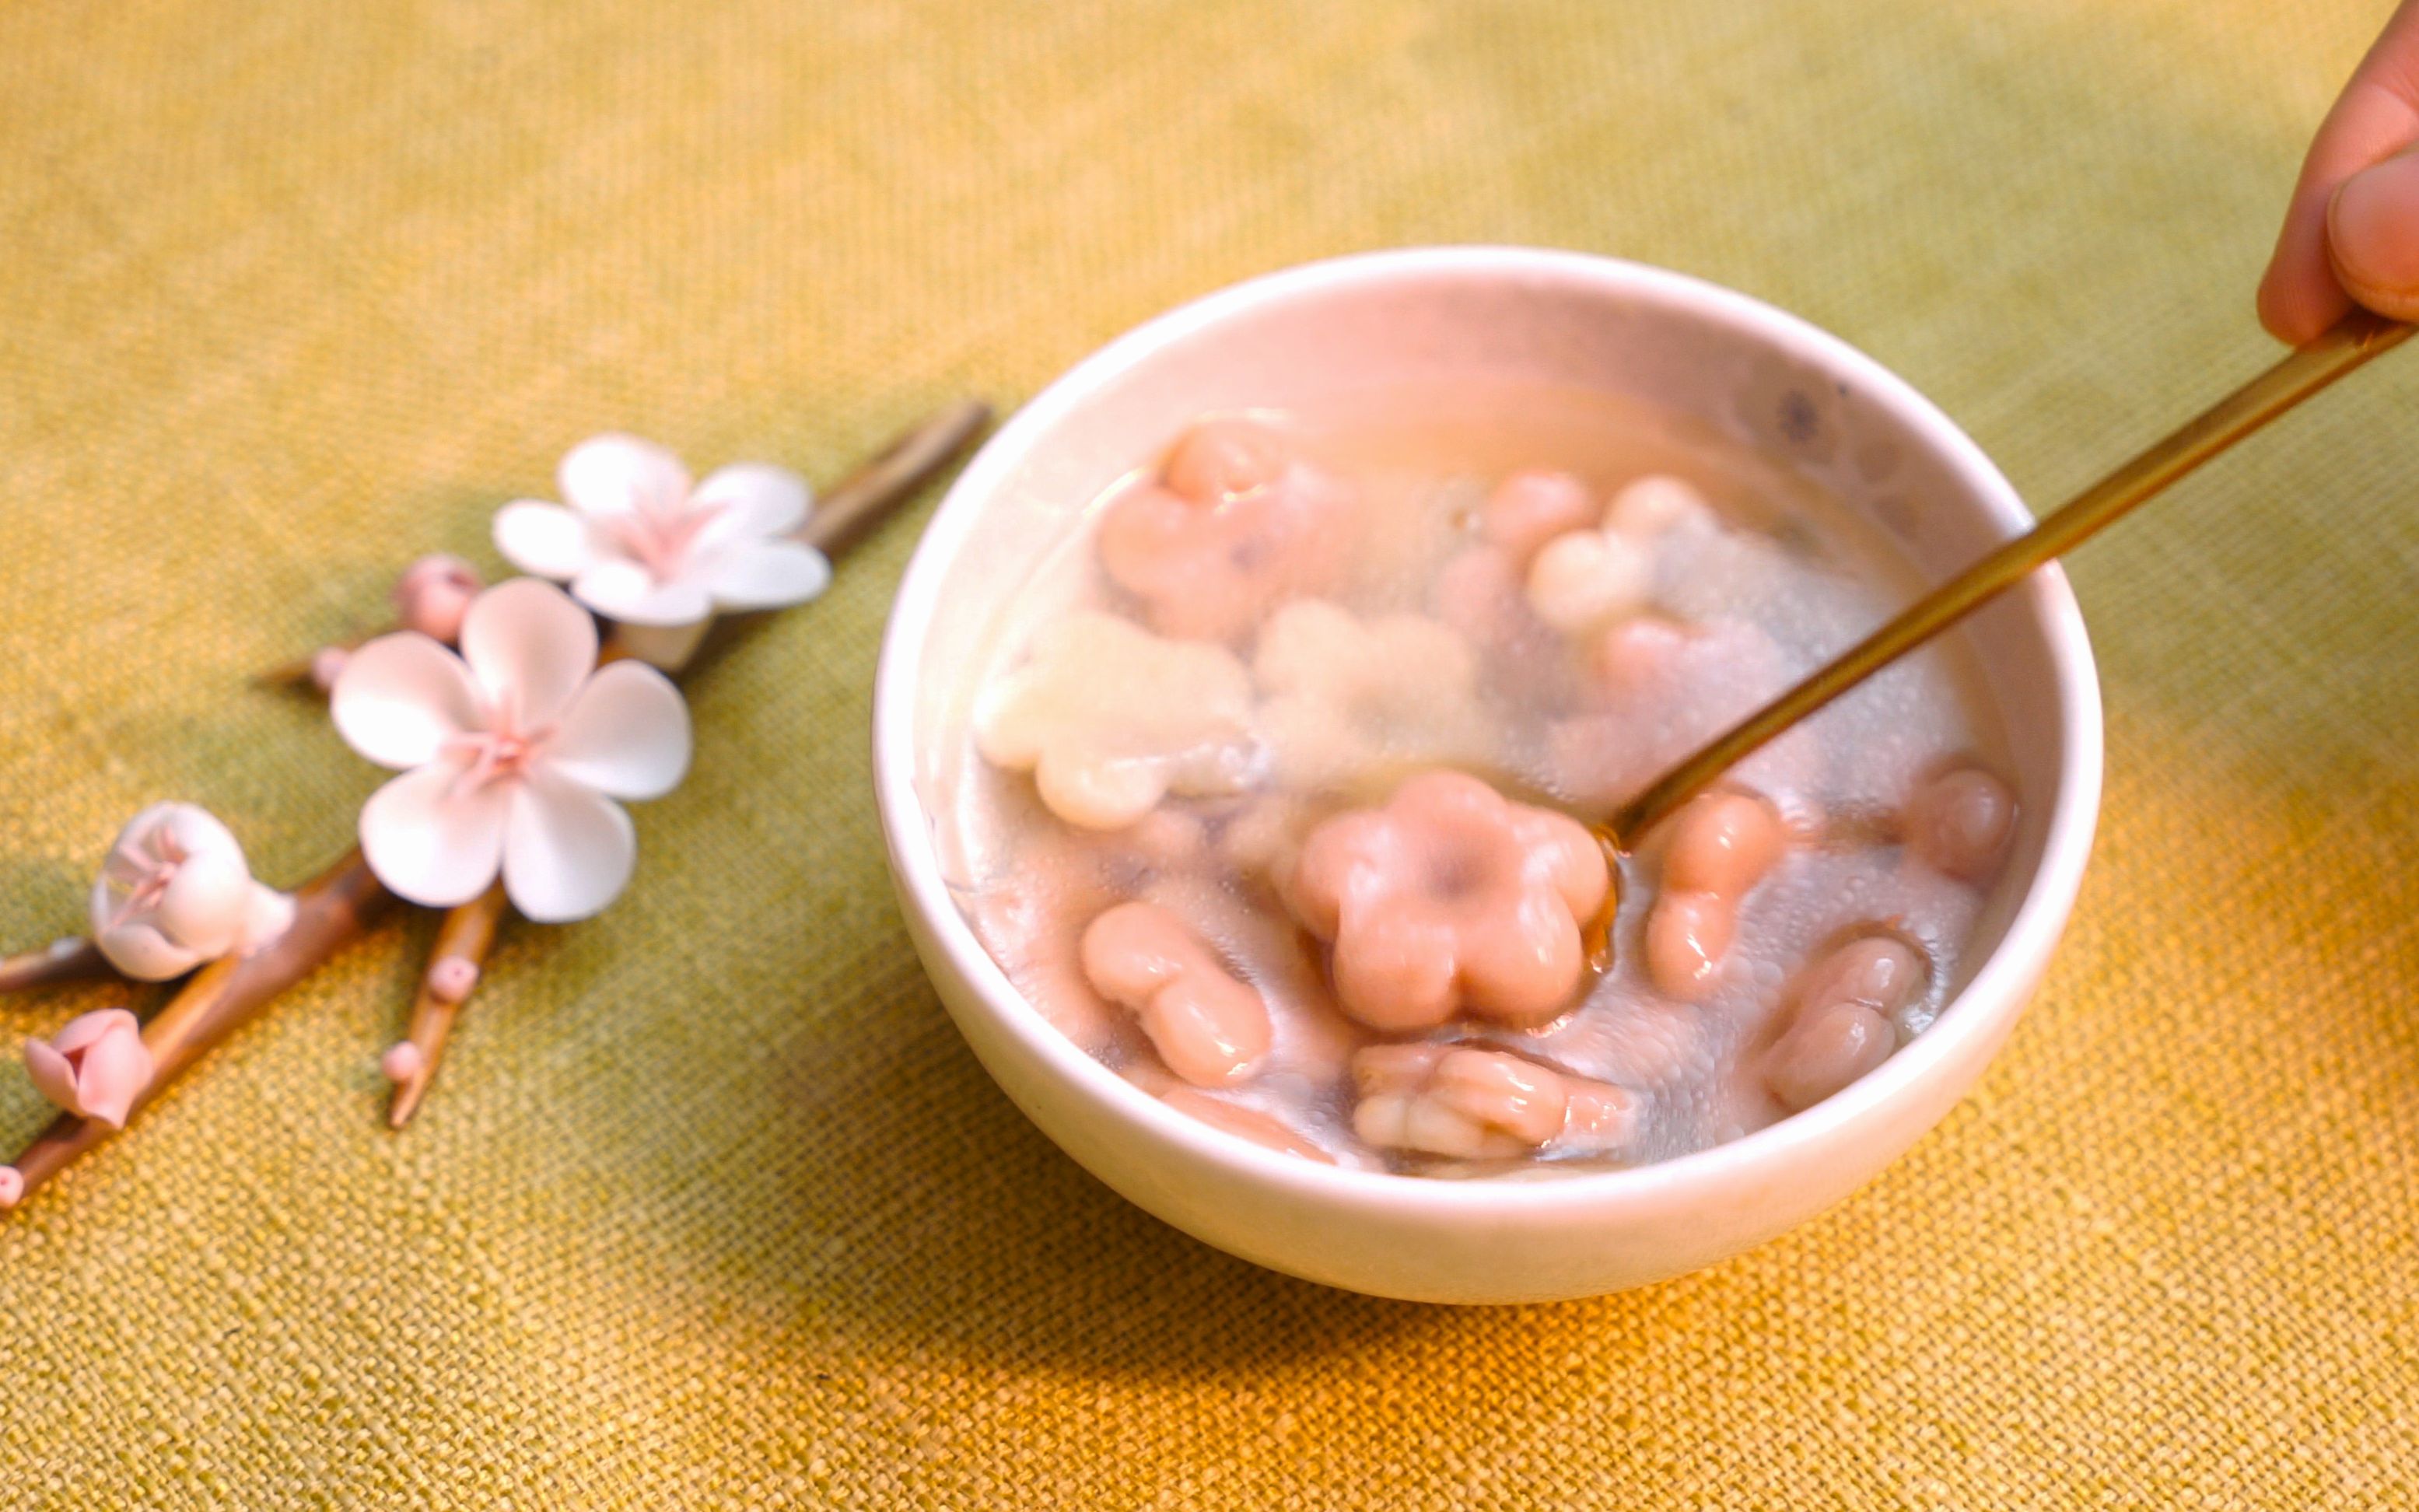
[(129, 859), (54, 1077), (85, 1030), (530, 648), (115, 1071), (430, 843), (613, 474), (626, 733), (202, 906), (196, 832), (402, 696), (137, 950), (623, 591), (748, 575), (568, 850), (757, 498), (545, 540), (267, 916)]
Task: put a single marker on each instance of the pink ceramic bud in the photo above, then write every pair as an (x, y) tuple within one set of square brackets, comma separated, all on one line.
[(452, 977), (96, 1068), (403, 1061), (327, 665), (434, 593), (175, 893)]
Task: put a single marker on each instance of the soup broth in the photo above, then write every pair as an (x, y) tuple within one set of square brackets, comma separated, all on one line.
[(1271, 798)]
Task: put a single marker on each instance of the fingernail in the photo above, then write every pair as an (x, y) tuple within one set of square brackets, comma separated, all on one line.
[(2374, 226)]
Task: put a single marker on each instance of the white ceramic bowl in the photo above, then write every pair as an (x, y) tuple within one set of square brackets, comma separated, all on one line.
[(1756, 373)]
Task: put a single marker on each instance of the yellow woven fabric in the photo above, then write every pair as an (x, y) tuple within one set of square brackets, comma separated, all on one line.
[(711, 1207)]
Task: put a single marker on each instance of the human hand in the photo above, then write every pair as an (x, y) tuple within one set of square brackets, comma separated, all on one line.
[(2351, 232)]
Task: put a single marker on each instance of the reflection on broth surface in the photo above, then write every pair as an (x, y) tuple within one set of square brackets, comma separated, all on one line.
[(1271, 793)]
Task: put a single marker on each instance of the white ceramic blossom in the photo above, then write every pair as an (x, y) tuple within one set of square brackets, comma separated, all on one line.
[(175, 893), (1344, 694), (643, 548), (512, 754), (1110, 718)]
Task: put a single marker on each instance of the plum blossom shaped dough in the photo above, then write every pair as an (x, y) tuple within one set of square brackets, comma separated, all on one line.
[(94, 1068), (1530, 508), (641, 545), (175, 893), (1234, 525), (1583, 580), (1450, 898), (1343, 693), (1469, 1104), (511, 752), (1111, 718)]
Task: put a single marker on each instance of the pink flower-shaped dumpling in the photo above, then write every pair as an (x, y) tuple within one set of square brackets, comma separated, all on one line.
[(175, 893), (641, 545), (1449, 897), (1234, 525), (512, 754), (95, 1068)]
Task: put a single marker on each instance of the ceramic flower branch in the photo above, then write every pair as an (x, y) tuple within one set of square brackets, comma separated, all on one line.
[(519, 733)]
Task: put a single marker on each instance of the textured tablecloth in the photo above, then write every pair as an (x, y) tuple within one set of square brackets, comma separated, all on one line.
[(711, 1206)]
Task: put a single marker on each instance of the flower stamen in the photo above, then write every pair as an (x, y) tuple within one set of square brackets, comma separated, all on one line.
[(659, 534)]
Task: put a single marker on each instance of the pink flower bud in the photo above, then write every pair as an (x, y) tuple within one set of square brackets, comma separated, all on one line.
[(452, 977), (327, 665), (402, 1061), (96, 1068), (175, 893), (434, 593)]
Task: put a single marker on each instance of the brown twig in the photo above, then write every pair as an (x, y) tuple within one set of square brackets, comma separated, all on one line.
[(328, 910), (859, 501), (54, 964), (453, 966)]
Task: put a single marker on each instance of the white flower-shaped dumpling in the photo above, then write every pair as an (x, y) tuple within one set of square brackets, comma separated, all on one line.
[(512, 754), (1584, 580), (1344, 694), (1110, 718), (641, 545), (175, 893)]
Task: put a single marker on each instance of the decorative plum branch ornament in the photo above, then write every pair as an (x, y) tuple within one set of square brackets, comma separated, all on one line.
[(518, 730)]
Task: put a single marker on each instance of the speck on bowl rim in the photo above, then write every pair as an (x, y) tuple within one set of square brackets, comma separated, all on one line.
[(1047, 1074)]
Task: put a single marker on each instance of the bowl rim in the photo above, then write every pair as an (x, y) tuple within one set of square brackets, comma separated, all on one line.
[(1996, 992)]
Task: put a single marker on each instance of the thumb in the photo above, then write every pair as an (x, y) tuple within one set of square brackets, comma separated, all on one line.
[(2373, 236)]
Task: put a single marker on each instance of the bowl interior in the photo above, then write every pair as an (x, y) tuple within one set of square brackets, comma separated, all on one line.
[(1294, 338)]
